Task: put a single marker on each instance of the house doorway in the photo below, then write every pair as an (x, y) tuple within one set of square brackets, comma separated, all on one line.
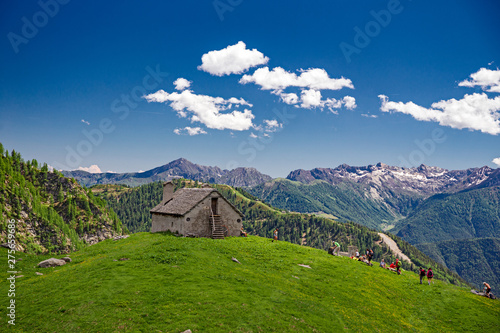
[(214, 206)]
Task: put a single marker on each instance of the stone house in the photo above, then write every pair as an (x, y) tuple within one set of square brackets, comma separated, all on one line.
[(200, 212)]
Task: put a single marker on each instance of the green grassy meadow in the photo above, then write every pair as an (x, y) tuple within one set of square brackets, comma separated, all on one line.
[(171, 284)]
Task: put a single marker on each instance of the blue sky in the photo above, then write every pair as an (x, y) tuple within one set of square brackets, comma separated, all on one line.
[(281, 85)]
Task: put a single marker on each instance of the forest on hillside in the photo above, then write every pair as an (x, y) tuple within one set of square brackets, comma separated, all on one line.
[(54, 213)]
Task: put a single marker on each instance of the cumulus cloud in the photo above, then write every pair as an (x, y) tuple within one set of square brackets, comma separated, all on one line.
[(272, 125), (253, 136), (475, 112), (207, 110), (85, 122), (189, 131), (279, 79), (369, 115), (487, 79), (234, 59), (182, 83), (312, 99), (310, 83), (496, 161), (91, 169)]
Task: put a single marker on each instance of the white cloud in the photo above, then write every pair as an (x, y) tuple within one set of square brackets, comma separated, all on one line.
[(288, 98), (189, 131), (475, 112), (111, 171), (253, 136), (234, 59), (310, 83), (349, 102), (85, 122), (279, 79), (272, 125), (496, 161), (487, 79), (369, 115), (91, 169), (310, 98), (207, 109), (182, 83)]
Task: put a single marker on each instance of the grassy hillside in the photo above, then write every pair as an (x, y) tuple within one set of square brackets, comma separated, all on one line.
[(475, 258), (170, 284), (53, 213)]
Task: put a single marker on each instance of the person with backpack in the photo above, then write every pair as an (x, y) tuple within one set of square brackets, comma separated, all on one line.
[(422, 274), (275, 235), (398, 266), (430, 275)]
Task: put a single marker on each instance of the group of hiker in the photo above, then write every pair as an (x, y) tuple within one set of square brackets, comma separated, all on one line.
[(423, 274)]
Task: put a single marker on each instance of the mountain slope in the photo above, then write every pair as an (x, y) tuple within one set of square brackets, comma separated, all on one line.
[(172, 284), (475, 258), (53, 213), (463, 215), (180, 168), (348, 202)]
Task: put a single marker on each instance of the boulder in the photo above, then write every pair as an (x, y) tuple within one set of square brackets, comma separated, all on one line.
[(37, 273), (52, 262), (235, 260), (120, 237), (67, 259)]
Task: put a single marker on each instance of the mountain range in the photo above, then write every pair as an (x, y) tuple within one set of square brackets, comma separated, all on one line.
[(180, 168)]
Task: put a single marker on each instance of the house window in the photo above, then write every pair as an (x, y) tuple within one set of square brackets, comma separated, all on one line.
[(188, 219), (238, 220), (172, 224)]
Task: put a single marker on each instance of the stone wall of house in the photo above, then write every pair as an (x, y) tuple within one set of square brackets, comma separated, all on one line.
[(162, 222), (230, 218)]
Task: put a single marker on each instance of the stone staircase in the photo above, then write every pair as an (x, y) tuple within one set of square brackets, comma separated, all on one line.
[(216, 227)]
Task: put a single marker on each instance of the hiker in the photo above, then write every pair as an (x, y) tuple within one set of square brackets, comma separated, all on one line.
[(430, 275), (336, 248), (243, 233), (275, 235), (422, 274), (487, 289), (398, 266), (369, 255), (382, 263), (357, 255)]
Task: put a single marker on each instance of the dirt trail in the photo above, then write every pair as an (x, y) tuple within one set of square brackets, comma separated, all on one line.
[(394, 247)]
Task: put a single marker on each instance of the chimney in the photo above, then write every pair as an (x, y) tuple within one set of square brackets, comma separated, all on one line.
[(168, 192)]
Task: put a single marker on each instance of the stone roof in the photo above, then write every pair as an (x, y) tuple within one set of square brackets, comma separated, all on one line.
[(184, 200)]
